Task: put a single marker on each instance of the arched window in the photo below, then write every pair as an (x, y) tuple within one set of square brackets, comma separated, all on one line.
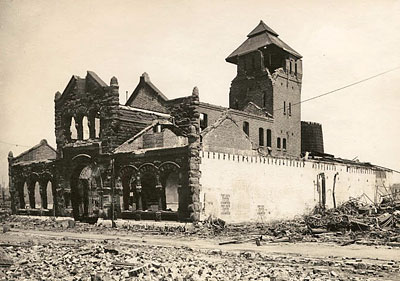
[(246, 127), (85, 128), (49, 195), (73, 129), (97, 127), (261, 136), (26, 196), (278, 143), (269, 138), (284, 143)]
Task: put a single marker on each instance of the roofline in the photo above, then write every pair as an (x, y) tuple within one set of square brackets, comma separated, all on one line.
[(131, 108), (41, 143), (144, 79)]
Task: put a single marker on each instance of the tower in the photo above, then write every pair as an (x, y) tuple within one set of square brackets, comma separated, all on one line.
[(269, 74)]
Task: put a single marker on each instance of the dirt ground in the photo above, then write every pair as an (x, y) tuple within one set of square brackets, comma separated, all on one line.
[(80, 252)]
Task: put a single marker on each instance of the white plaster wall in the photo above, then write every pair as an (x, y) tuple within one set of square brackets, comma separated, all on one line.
[(241, 189)]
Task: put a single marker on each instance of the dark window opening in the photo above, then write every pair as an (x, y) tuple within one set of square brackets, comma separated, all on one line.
[(290, 109), (261, 136), (284, 143), (264, 99), (157, 128), (284, 108), (269, 138), (274, 58), (278, 143), (291, 69), (246, 127), (295, 68), (203, 121)]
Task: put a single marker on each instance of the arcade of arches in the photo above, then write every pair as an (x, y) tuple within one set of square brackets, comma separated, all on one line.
[(150, 188), (35, 191), (85, 189)]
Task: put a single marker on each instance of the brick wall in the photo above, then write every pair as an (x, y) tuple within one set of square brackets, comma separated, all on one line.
[(145, 98), (255, 122), (42, 152), (131, 121), (311, 137), (227, 137), (279, 93)]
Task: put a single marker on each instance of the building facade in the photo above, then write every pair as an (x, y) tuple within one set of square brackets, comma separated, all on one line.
[(182, 159)]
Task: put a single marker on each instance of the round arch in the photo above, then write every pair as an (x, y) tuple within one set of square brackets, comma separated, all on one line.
[(148, 168), (170, 177), (127, 176)]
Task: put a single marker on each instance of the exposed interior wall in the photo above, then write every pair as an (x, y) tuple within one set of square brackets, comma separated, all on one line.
[(242, 188), (146, 98), (227, 137), (171, 192)]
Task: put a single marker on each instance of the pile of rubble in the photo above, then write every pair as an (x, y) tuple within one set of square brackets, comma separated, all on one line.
[(379, 224), (351, 222), (106, 260)]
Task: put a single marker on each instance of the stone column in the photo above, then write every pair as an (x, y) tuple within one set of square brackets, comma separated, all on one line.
[(179, 187), (139, 192), (15, 204), (91, 125), (79, 127), (43, 192), (194, 157), (159, 194), (138, 212)]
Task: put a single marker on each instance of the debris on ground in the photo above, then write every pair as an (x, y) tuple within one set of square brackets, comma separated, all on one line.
[(71, 259), (351, 222)]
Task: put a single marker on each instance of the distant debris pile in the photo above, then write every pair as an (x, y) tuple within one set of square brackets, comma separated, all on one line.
[(376, 221)]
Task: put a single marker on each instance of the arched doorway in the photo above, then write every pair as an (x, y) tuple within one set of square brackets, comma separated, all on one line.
[(171, 183), (49, 196), (127, 178), (85, 184), (170, 188), (150, 200), (24, 195), (37, 196)]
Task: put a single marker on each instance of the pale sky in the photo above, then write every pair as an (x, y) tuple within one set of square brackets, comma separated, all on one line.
[(182, 44)]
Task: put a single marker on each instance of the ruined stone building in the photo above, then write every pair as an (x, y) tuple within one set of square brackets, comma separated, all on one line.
[(182, 159)]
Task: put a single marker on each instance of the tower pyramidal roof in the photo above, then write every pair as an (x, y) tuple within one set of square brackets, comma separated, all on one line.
[(261, 36), (261, 28)]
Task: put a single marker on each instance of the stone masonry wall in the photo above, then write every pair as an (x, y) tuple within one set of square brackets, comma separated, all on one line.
[(186, 116)]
